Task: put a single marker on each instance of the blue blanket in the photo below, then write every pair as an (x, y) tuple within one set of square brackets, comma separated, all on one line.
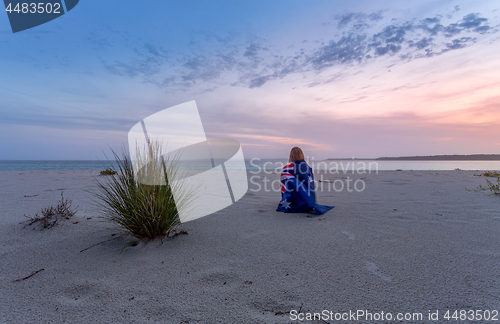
[(297, 190)]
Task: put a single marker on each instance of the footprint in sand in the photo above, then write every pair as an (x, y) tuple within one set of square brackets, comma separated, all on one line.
[(372, 267), (349, 235)]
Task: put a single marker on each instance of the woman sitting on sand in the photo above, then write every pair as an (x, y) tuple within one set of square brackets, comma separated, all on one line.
[(297, 187)]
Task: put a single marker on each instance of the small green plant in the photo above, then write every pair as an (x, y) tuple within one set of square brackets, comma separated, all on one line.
[(50, 216), (490, 185), (108, 171), (491, 174), (146, 211), (457, 169)]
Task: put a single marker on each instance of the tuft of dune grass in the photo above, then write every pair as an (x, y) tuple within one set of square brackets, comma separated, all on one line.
[(108, 171), (146, 211)]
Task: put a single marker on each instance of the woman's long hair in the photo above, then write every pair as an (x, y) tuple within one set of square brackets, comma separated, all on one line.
[(296, 154)]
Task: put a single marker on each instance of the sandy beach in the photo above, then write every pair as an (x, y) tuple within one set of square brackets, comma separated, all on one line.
[(411, 242)]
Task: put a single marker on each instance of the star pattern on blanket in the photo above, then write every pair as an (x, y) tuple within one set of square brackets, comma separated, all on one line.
[(285, 204)]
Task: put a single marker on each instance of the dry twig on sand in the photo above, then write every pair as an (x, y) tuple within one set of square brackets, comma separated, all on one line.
[(31, 275), (51, 215)]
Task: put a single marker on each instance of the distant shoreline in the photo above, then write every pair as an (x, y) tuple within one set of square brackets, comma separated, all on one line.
[(456, 157), (472, 157)]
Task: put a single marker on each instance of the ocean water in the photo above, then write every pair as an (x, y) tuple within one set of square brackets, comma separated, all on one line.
[(340, 166), (350, 166), (55, 165)]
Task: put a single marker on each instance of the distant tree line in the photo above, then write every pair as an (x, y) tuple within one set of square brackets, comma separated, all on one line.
[(456, 157)]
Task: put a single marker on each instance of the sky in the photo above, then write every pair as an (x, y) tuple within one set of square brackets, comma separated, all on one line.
[(340, 79)]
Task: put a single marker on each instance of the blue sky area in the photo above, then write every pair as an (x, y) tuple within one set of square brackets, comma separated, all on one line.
[(338, 78)]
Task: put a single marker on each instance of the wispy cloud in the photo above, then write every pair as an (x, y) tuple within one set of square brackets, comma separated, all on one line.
[(363, 38)]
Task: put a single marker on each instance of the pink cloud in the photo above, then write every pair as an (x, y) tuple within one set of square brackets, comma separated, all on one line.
[(460, 131)]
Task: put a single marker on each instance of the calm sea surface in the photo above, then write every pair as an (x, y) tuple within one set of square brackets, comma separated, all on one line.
[(257, 164)]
